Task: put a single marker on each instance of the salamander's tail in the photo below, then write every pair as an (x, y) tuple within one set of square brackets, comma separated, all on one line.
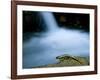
[(78, 61)]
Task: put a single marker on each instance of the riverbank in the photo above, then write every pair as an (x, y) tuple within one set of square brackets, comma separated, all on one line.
[(75, 61)]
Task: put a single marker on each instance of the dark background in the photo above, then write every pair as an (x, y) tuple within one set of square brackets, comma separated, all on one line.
[(32, 21)]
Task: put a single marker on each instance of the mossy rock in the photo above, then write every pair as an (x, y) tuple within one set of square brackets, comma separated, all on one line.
[(67, 60)]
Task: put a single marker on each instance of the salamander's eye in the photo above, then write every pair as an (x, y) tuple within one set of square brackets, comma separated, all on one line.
[(57, 57)]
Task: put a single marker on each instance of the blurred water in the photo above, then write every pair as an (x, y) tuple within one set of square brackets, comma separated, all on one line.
[(49, 21), (44, 49)]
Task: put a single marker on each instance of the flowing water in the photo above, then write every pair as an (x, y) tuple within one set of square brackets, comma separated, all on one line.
[(44, 49)]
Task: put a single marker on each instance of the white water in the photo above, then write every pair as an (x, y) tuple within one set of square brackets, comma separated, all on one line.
[(43, 50), (49, 21)]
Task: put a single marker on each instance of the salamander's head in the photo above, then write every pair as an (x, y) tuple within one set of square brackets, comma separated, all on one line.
[(65, 55), (58, 57)]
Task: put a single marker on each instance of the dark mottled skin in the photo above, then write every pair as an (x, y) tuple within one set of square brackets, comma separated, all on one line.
[(65, 57)]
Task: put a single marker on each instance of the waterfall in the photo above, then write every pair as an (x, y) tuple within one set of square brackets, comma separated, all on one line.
[(49, 20)]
